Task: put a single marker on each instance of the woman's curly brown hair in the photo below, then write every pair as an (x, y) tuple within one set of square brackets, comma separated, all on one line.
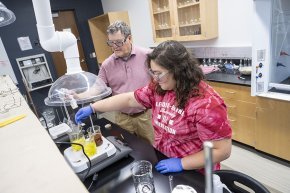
[(174, 57)]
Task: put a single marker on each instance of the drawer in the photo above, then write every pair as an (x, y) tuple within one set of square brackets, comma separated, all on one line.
[(273, 104), (243, 108), (234, 91)]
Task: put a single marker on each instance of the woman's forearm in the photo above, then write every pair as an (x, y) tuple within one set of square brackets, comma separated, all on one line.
[(221, 151), (116, 103)]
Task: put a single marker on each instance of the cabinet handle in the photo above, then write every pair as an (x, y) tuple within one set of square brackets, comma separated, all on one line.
[(231, 92), (232, 120), (231, 106)]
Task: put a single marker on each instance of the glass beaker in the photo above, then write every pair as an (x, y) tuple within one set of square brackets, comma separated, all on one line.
[(76, 137), (95, 131), (49, 117), (90, 146), (143, 176)]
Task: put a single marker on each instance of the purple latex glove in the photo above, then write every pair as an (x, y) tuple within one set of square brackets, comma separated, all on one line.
[(169, 165), (83, 113)]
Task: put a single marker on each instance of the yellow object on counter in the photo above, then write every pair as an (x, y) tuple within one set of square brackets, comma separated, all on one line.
[(90, 148), (11, 120), (80, 140)]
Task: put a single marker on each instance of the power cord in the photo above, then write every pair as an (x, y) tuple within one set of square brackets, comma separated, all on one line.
[(95, 178), (45, 122), (72, 143)]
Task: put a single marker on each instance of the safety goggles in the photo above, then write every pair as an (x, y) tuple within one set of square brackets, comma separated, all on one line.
[(118, 43), (157, 75)]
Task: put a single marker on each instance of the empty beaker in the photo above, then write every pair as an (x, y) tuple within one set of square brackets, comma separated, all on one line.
[(143, 176)]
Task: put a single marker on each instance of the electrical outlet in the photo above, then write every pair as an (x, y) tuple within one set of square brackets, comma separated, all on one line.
[(93, 55)]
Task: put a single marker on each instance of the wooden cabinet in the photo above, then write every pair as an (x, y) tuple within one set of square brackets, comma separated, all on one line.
[(256, 121), (273, 127), (241, 110), (184, 20), (98, 27)]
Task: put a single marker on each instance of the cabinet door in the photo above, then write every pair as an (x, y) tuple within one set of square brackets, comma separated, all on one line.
[(196, 19), (188, 19), (162, 18), (184, 20), (241, 110), (98, 27), (243, 129), (273, 127)]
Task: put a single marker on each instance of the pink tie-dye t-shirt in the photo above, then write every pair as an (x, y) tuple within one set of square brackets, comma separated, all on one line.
[(181, 132)]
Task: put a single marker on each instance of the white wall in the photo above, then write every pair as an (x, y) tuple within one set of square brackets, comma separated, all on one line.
[(235, 22), (139, 15)]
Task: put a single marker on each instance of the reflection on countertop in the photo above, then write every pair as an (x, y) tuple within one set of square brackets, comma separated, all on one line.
[(229, 77)]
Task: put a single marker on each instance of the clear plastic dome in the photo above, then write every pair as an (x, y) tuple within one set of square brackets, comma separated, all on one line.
[(83, 87)]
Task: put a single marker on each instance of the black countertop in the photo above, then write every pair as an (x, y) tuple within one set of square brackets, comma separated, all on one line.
[(229, 77), (117, 177)]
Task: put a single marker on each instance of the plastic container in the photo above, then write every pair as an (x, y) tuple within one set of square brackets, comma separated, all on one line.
[(218, 186), (183, 189)]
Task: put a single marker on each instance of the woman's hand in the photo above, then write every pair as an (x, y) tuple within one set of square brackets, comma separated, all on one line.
[(169, 165), (83, 113)]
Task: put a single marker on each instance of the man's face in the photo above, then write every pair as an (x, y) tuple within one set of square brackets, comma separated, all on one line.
[(120, 44)]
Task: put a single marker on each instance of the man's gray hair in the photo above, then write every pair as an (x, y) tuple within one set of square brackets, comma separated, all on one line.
[(119, 26)]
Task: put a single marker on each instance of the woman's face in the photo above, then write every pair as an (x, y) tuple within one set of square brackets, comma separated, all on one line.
[(162, 76)]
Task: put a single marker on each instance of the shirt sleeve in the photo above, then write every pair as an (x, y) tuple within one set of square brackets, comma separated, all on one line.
[(102, 73), (145, 96), (211, 120)]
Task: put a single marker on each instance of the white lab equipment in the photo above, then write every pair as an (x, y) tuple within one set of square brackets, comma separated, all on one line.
[(207, 146), (54, 41), (79, 83), (218, 186), (271, 49)]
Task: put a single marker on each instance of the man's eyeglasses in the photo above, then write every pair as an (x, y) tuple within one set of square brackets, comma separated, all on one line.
[(117, 43), (157, 75)]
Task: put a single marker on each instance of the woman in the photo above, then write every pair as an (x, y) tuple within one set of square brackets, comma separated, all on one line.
[(185, 110)]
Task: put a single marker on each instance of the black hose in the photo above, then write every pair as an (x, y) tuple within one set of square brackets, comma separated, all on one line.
[(83, 149)]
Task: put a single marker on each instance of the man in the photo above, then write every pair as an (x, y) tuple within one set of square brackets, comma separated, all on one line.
[(125, 70)]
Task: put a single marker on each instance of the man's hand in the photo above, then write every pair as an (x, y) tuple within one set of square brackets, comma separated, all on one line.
[(169, 165)]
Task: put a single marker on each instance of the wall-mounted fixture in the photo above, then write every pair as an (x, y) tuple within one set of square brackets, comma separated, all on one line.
[(6, 16)]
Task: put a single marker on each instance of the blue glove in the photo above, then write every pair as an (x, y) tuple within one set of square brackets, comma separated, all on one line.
[(83, 113), (169, 165)]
